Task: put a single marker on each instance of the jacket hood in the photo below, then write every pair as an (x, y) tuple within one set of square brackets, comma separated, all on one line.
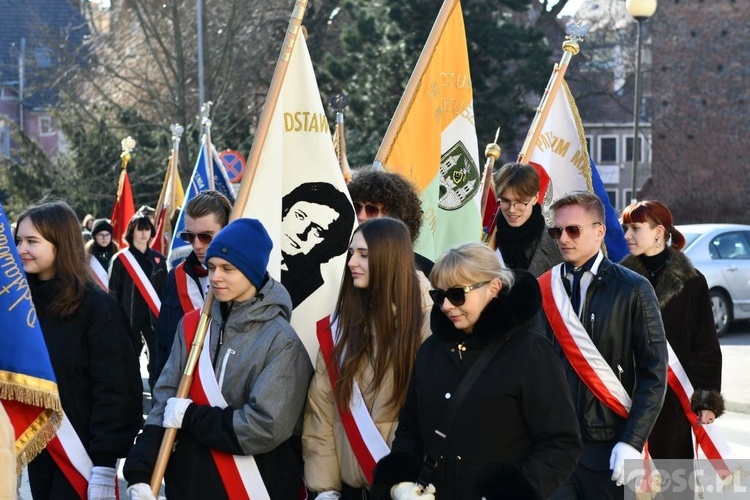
[(679, 271), (272, 300), (511, 309)]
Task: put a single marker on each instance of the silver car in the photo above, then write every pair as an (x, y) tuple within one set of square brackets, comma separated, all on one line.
[(722, 253)]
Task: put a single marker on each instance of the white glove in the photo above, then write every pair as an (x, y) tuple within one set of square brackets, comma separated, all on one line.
[(141, 491), (620, 453), (175, 412), (328, 495), (412, 491), (102, 483)]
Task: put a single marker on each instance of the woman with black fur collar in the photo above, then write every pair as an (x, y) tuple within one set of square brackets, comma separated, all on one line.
[(515, 433), (655, 245)]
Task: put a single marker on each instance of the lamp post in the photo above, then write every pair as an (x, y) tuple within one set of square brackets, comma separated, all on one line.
[(640, 10)]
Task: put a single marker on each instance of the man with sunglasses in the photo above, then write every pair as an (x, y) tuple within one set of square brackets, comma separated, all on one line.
[(186, 285), (606, 325)]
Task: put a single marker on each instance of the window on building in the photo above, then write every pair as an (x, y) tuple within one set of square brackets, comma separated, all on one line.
[(608, 149), (45, 126), (629, 149), (4, 140), (612, 193), (626, 197)]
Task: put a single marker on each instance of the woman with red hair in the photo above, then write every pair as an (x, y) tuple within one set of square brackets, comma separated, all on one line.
[(655, 246)]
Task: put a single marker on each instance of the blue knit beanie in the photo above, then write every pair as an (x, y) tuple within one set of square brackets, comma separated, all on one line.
[(246, 245)]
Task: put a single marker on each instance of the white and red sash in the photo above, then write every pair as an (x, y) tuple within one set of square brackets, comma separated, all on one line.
[(708, 437), (578, 347), (141, 281), (99, 273), (188, 290), (70, 456), (239, 473), (364, 437)]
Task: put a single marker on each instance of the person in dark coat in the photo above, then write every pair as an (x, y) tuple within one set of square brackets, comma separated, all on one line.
[(101, 246), (521, 236), (682, 291), (515, 434), (139, 234), (93, 359)]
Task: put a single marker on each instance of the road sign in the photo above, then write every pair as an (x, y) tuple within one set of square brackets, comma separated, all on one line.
[(234, 163)]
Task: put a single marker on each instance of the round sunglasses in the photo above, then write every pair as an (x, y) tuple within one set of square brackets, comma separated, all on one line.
[(455, 295)]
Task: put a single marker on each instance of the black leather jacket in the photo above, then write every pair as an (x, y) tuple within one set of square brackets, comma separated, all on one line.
[(621, 314)]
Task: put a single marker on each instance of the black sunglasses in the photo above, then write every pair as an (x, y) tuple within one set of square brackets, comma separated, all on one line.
[(370, 210), (456, 295), (189, 237), (573, 231)]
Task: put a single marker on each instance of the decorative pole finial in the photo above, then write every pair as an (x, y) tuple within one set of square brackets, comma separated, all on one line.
[(128, 145), (493, 149), (574, 33)]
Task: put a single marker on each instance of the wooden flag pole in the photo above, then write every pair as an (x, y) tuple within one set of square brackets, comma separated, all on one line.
[(411, 87), (274, 90), (570, 47), (172, 172)]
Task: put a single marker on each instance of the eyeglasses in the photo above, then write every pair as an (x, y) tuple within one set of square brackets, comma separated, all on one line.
[(573, 231), (370, 210), (456, 295), (506, 204), (189, 237)]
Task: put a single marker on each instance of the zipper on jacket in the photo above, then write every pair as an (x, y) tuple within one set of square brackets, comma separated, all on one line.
[(620, 371), (229, 352), (593, 317)]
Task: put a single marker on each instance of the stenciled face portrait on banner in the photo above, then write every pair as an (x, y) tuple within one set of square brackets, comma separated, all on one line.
[(316, 223)]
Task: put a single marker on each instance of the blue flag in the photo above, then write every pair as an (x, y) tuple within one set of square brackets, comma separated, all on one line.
[(614, 239), (199, 181), (28, 388)]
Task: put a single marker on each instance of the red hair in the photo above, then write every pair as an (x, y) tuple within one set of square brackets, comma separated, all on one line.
[(656, 214)]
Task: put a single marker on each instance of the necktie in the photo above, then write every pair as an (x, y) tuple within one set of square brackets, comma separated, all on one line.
[(575, 290)]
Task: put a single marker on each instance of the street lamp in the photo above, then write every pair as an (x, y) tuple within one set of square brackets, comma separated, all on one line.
[(641, 10)]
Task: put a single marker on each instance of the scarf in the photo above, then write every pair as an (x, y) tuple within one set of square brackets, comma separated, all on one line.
[(517, 244)]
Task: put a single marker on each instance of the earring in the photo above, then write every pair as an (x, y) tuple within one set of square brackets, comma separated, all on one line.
[(657, 244)]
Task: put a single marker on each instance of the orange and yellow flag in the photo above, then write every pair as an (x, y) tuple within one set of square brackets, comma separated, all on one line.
[(432, 138)]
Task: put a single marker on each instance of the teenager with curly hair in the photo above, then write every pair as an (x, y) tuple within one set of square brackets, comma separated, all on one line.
[(377, 193)]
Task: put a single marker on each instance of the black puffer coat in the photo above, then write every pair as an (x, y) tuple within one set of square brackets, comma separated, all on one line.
[(96, 370), (515, 435)]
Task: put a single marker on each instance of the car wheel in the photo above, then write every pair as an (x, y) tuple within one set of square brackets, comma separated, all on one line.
[(721, 306)]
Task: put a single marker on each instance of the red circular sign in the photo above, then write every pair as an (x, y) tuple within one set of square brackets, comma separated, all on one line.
[(234, 163)]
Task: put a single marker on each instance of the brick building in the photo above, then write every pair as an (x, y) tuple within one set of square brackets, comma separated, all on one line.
[(701, 114)]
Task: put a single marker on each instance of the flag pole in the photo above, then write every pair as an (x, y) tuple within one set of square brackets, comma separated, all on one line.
[(264, 123), (339, 103), (206, 136), (492, 152), (172, 171), (411, 87), (574, 34)]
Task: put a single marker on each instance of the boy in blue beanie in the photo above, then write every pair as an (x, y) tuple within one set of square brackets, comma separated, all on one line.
[(245, 404)]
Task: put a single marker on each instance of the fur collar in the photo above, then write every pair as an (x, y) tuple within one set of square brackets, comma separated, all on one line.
[(511, 309), (679, 271)]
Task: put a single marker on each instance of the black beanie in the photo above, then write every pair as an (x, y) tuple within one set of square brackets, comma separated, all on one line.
[(101, 225)]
